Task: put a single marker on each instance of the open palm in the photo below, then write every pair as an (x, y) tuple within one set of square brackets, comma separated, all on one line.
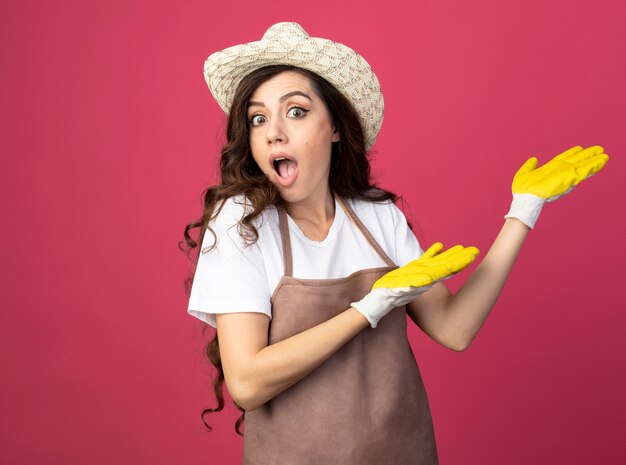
[(561, 174), (432, 266)]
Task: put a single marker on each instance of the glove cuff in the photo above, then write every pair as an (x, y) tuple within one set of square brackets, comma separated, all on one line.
[(526, 208), (373, 306)]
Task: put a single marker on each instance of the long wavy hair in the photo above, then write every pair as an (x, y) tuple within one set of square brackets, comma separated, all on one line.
[(349, 177)]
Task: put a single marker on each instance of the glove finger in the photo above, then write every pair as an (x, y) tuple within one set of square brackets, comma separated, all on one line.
[(568, 153), (583, 171), (431, 251), (588, 168), (419, 274), (441, 260), (399, 282), (584, 155), (452, 254), (445, 256), (598, 167), (528, 165), (433, 260), (452, 266), (591, 166), (463, 260), (456, 264)]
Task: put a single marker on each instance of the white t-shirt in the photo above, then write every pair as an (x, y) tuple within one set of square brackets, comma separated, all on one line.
[(231, 278)]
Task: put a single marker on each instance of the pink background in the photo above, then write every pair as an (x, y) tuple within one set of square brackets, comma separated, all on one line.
[(109, 135)]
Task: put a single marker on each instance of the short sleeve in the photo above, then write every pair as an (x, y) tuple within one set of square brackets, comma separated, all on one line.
[(230, 277), (407, 245)]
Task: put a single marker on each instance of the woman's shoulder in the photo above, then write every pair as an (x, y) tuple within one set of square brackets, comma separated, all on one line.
[(227, 221), (383, 212), (371, 207), (231, 210)]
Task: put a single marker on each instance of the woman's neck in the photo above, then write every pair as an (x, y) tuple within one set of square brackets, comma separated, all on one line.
[(316, 212)]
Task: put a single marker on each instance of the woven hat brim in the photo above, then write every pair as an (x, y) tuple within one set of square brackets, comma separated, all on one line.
[(340, 65)]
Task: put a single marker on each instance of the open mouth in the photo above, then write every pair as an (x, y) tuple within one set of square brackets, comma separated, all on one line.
[(286, 170), (285, 167)]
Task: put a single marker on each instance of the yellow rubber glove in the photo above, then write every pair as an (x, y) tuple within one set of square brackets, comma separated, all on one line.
[(404, 284), (533, 187)]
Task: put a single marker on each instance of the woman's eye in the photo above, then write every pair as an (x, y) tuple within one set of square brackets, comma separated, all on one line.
[(297, 112), (254, 121)]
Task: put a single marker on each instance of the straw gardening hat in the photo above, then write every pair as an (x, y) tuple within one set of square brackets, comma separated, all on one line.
[(288, 43)]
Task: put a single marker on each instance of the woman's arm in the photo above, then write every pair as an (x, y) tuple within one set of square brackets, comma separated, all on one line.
[(256, 372), (453, 320)]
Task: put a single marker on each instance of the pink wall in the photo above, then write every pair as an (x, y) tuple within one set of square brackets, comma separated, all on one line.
[(109, 135)]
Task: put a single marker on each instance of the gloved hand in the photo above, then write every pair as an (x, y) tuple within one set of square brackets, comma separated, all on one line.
[(404, 284), (532, 188)]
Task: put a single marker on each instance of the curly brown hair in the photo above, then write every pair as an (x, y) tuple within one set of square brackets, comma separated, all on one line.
[(349, 177)]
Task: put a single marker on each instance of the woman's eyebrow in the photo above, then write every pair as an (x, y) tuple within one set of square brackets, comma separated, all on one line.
[(286, 96)]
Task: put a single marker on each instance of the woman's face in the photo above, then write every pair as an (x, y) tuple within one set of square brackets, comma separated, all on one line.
[(288, 119)]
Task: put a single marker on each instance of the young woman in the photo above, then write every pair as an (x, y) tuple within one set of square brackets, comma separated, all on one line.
[(310, 268)]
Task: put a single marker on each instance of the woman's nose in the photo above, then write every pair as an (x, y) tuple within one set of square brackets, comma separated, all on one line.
[(275, 131)]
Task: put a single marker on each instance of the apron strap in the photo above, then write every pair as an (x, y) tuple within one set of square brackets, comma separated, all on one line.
[(284, 237), (355, 219)]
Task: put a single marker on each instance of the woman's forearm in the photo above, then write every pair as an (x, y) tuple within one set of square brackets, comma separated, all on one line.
[(466, 310), (280, 365)]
